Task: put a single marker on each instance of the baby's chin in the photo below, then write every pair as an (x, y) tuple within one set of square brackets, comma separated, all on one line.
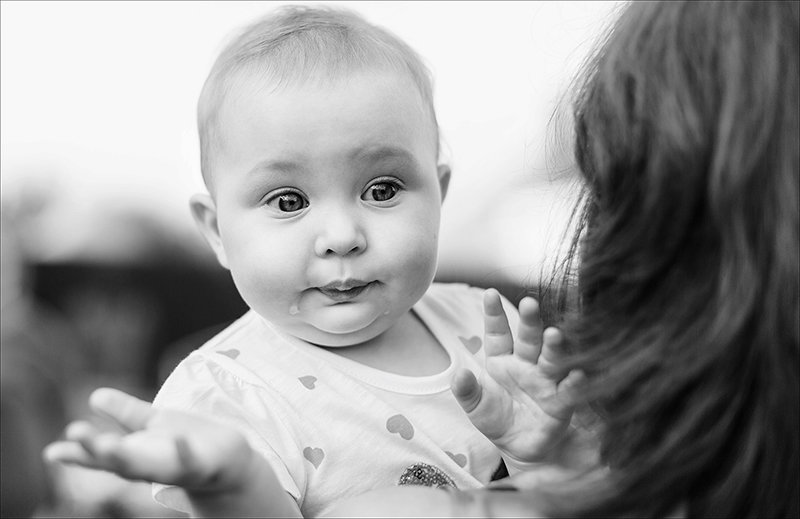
[(342, 325), (342, 336)]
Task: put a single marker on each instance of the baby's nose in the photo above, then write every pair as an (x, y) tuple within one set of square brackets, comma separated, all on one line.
[(340, 234)]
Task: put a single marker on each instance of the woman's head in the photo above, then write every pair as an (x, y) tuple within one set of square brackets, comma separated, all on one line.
[(686, 125)]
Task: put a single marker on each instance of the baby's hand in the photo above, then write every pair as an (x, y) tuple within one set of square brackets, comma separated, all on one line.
[(522, 402), (156, 445)]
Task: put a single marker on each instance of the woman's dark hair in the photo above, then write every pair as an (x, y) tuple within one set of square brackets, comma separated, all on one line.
[(688, 319)]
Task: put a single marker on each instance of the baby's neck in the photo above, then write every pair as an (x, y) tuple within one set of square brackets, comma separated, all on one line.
[(407, 348)]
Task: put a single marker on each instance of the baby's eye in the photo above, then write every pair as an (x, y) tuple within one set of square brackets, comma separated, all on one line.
[(381, 191), (288, 202)]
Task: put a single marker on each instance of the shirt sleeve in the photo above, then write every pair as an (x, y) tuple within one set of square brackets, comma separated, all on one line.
[(205, 386)]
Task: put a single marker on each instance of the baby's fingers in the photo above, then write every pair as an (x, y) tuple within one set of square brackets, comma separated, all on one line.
[(467, 390), (485, 407), (552, 354), (497, 333), (529, 337), (568, 392)]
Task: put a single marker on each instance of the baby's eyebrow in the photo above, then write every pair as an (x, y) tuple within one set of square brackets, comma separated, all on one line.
[(275, 166), (381, 152)]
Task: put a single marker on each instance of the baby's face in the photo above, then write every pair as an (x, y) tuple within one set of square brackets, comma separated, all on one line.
[(328, 203)]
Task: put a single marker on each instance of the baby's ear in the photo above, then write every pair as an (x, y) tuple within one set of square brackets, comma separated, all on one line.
[(444, 178), (204, 211)]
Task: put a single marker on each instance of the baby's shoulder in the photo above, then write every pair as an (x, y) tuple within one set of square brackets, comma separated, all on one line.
[(460, 292), (228, 359), (247, 330), (248, 338), (453, 301), (463, 301)]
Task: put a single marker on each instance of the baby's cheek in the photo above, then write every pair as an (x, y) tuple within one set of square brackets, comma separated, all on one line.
[(264, 285), (419, 260)]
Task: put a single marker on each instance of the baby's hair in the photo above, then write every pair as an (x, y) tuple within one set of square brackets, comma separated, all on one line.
[(688, 319), (297, 44)]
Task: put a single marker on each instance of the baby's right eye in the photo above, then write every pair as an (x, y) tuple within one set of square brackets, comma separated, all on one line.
[(287, 201)]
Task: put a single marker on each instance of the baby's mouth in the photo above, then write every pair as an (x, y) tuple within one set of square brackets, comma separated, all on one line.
[(343, 291)]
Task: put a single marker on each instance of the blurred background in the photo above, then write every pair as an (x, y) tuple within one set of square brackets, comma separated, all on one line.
[(105, 280)]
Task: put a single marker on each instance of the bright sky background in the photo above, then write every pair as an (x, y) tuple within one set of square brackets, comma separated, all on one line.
[(98, 111)]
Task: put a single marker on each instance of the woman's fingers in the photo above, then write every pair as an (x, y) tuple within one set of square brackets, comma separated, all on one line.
[(139, 455), (124, 409), (151, 457), (85, 445), (69, 452), (87, 436), (80, 430), (497, 333)]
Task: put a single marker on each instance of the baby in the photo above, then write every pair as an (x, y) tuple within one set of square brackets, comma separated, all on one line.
[(319, 148)]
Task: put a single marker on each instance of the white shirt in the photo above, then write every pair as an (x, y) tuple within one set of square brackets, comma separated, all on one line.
[(331, 427)]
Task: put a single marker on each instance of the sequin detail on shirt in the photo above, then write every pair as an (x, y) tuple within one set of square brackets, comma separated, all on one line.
[(426, 475)]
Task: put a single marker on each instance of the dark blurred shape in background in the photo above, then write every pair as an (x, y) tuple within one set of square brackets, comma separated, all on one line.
[(39, 355), (129, 314), (119, 306)]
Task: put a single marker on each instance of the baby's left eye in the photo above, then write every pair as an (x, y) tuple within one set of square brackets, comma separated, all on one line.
[(381, 191)]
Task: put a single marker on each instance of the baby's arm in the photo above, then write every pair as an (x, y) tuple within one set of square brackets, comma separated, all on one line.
[(212, 462), (522, 401)]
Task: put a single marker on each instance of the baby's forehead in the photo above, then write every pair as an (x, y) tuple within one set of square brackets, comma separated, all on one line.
[(377, 96), (248, 81), (245, 89)]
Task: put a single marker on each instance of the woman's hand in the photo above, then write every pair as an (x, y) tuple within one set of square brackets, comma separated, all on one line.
[(157, 445), (213, 462)]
